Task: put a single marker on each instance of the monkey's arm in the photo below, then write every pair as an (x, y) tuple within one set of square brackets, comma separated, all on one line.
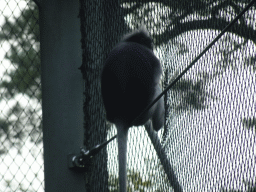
[(159, 112)]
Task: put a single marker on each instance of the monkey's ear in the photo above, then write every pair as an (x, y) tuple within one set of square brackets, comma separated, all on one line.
[(143, 29), (140, 36), (146, 39)]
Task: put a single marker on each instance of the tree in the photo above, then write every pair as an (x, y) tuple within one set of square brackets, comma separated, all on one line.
[(22, 80), (24, 77), (177, 17)]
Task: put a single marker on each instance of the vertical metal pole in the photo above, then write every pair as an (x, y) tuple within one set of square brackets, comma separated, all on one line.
[(62, 93)]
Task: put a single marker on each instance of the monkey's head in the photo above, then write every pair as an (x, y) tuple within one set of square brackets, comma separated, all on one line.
[(140, 36)]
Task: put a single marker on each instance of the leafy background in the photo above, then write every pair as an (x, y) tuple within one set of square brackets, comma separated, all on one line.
[(171, 22)]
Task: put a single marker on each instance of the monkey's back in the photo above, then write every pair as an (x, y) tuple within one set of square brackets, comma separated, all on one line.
[(129, 78)]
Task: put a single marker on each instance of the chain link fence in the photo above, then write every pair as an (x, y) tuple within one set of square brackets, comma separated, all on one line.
[(210, 132), (21, 148)]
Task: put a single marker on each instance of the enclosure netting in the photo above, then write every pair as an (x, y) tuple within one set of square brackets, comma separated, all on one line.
[(209, 135)]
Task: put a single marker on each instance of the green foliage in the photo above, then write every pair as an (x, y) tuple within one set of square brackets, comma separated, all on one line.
[(24, 55), (135, 182), (22, 79), (10, 185)]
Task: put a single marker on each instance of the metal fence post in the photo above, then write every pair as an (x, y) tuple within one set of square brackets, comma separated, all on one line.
[(62, 93)]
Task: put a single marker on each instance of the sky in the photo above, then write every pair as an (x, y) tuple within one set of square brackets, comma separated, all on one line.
[(24, 169), (209, 149)]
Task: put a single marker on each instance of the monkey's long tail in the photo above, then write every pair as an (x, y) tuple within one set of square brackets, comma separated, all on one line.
[(122, 135)]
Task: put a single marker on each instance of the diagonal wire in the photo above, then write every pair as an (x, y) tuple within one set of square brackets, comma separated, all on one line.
[(193, 62), (196, 59)]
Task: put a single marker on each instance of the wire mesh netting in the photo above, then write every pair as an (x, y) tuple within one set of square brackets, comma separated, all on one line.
[(21, 148), (209, 138)]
